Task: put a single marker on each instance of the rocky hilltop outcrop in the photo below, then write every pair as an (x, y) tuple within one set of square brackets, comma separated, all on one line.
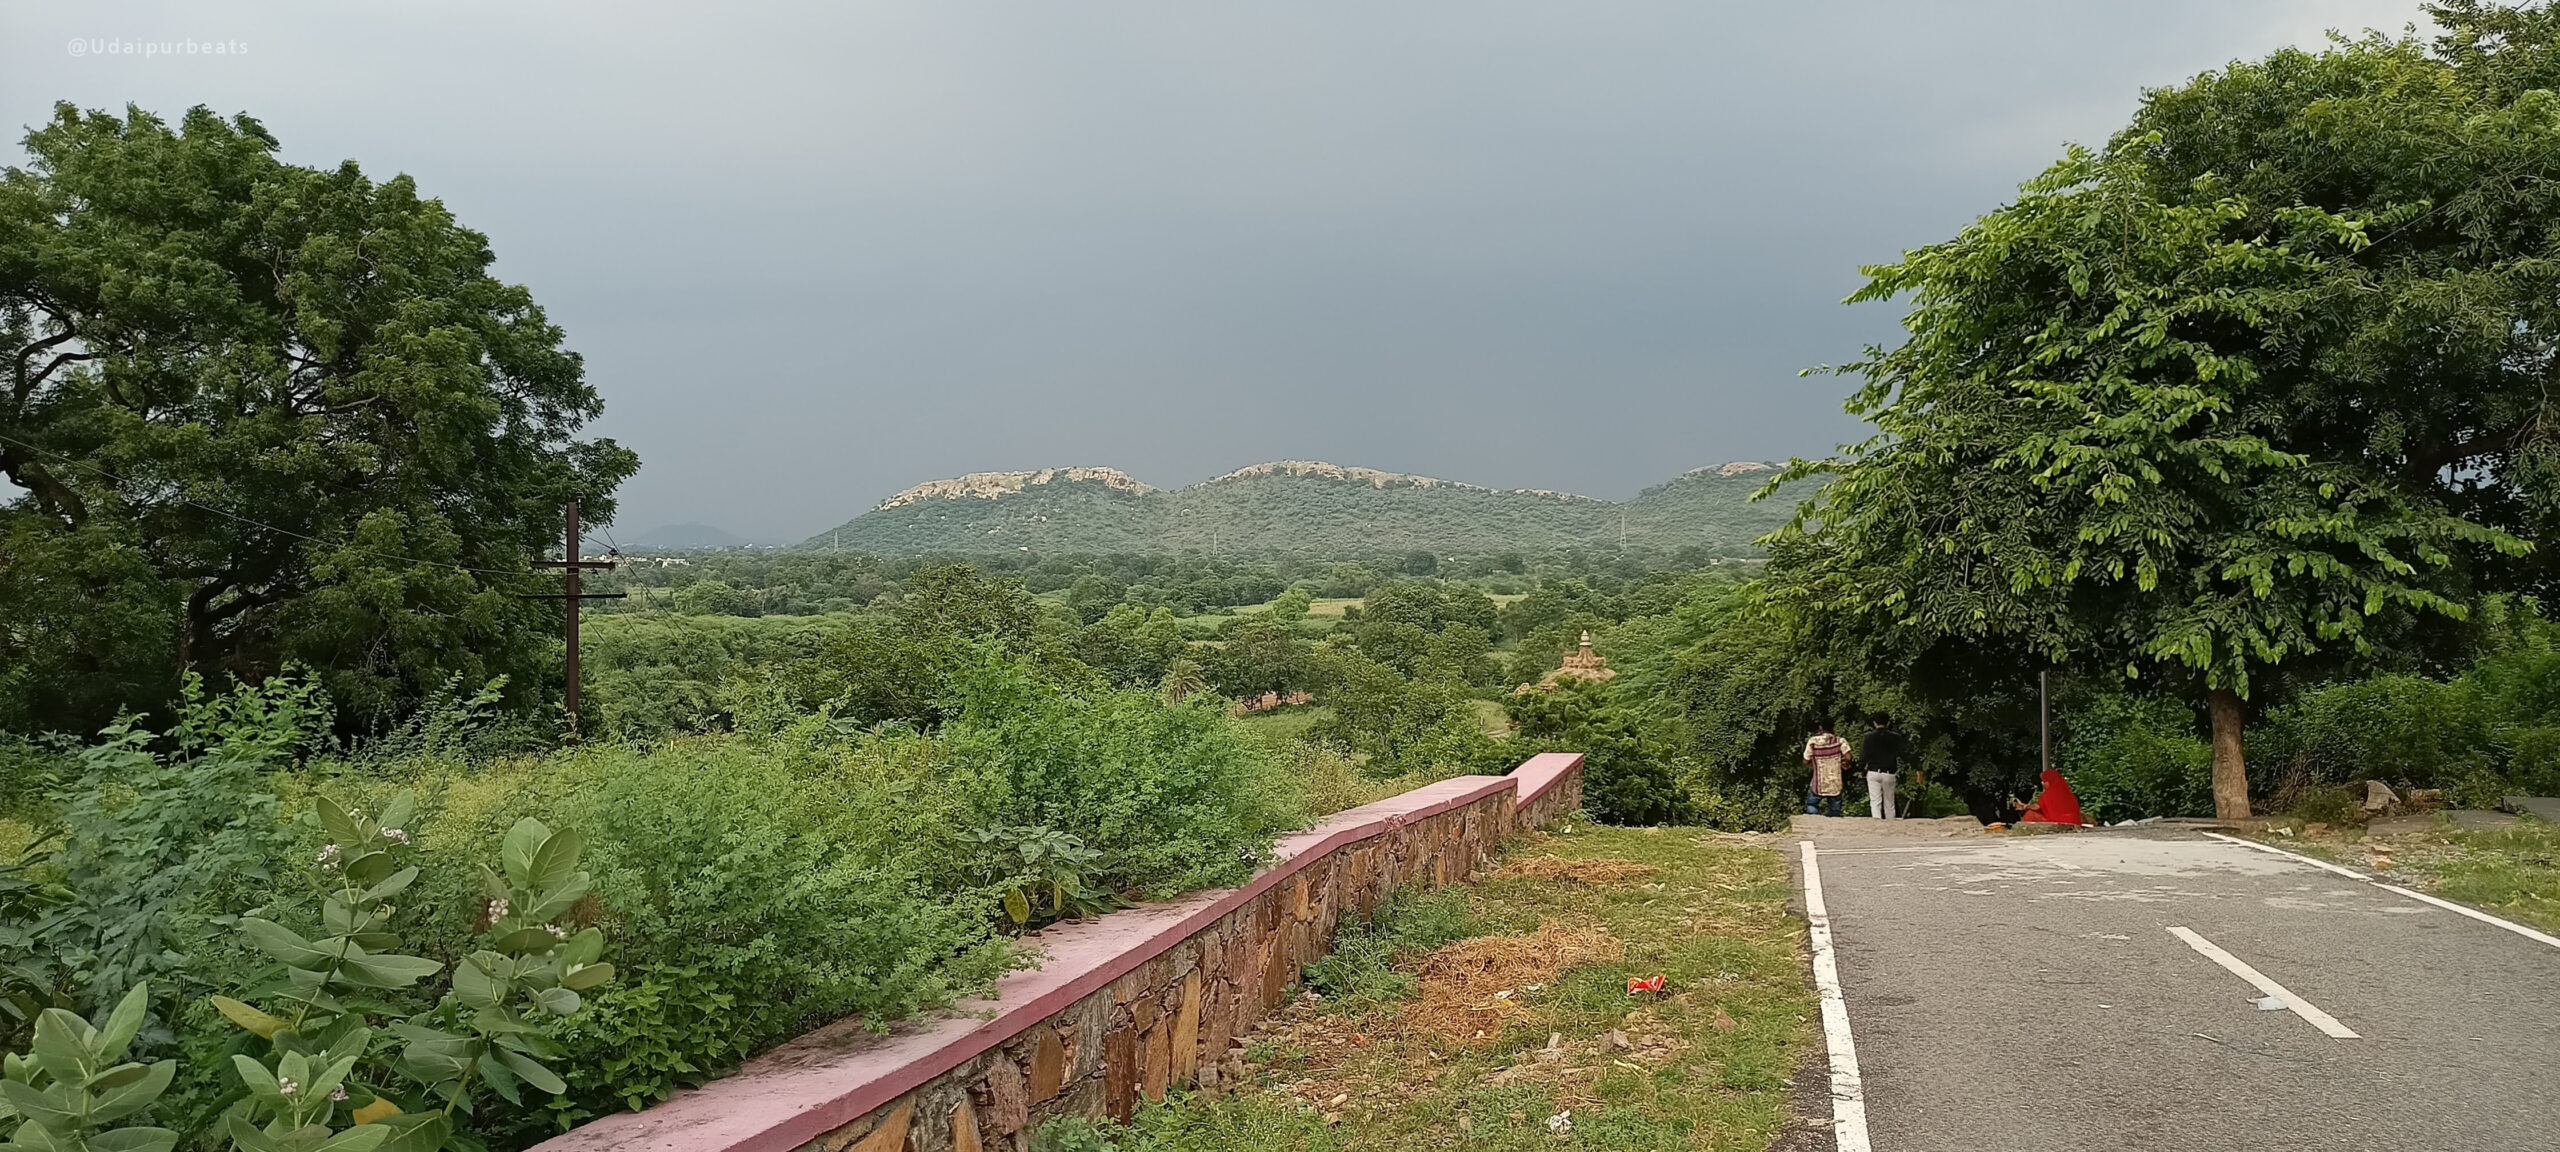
[(1305, 506), (990, 485)]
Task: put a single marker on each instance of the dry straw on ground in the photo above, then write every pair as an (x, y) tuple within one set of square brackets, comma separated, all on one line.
[(1472, 988)]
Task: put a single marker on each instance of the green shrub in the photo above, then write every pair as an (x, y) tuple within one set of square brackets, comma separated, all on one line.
[(2408, 730), (69, 1092), (1739, 807), (29, 772), (2335, 805), (1629, 775), (753, 889), (1456, 745), (155, 837), (1173, 797), (2533, 764), (2131, 757)]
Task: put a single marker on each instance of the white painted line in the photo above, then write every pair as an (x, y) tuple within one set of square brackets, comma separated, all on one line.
[(2301, 1007), (1848, 1089), (2421, 897), (1987, 847), (2473, 913), (2324, 865)]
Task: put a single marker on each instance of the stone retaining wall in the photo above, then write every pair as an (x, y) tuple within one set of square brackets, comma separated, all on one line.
[(1123, 1007)]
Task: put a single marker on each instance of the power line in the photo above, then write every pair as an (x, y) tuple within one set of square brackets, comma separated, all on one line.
[(263, 524)]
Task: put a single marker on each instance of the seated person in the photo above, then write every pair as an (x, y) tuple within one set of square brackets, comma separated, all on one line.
[(2055, 804)]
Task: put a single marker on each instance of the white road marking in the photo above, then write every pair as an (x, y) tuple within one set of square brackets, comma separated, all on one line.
[(1848, 1090), (2324, 865), (2422, 897), (2474, 913), (2301, 1007), (1911, 848)]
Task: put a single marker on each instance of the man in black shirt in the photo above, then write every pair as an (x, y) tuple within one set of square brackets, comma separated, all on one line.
[(1881, 753)]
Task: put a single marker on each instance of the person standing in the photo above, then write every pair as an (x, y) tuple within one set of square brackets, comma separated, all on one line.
[(1829, 756), (1882, 754)]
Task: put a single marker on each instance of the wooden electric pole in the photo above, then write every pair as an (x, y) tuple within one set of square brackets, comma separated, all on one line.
[(570, 592)]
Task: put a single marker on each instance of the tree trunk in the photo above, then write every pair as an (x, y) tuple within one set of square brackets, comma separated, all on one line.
[(2230, 768)]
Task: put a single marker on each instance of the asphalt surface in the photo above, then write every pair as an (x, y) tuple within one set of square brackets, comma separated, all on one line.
[(2025, 993)]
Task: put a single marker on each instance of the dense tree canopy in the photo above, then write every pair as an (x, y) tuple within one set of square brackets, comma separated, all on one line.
[(258, 413), (2263, 382)]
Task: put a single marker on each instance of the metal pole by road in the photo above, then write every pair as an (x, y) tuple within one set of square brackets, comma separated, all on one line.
[(2044, 714)]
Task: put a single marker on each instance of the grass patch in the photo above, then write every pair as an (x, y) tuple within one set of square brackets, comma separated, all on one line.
[(1470, 1017), (1289, 723), (1363, 971), (2512, 871)]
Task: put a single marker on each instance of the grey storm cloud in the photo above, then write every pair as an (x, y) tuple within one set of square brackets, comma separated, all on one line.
[(816, 252)]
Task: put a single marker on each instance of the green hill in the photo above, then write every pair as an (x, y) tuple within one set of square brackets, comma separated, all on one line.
[(1304, 507), (1710, 508)]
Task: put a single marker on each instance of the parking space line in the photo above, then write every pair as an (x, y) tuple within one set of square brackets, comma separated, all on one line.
[(2421, 897), (1848, 1089), (2301, 1007)]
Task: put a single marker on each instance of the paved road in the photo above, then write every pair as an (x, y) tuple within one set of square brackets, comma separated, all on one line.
[(2025, 993)]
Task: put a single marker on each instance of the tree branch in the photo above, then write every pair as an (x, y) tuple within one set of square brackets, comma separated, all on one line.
[(25, 385)]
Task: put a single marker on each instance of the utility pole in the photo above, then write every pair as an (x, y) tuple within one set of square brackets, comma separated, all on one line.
[(570, 568), (2044, 719)]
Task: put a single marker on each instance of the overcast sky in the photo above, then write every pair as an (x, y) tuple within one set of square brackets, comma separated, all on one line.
[(814, 253)]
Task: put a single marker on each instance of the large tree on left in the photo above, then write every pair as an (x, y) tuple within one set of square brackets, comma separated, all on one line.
[(259, 414)]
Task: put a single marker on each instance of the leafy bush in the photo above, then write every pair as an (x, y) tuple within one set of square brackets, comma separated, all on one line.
[(2409, 730), (1320, 780), (1172, 797), (754, 889), (1403, 727), (1629, 775), (154, 839), (2130, 757), (168, 865), (68, 1092), (2335, 805), (1738, 807), (2534, 759), (340, 988), (29, 772)]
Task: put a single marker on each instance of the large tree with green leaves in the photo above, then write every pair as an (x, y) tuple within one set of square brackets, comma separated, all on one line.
[(257, 413), (2265, 384)]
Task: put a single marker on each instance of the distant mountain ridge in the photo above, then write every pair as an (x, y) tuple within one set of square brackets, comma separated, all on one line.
[(1305, 507)]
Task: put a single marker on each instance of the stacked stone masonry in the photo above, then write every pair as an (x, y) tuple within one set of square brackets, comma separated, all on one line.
[(1124, 1008)]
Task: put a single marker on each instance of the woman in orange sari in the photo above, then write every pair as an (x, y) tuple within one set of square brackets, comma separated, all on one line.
[(2055, 804)]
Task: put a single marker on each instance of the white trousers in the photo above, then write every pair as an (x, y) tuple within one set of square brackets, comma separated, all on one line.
[(1880, 795)]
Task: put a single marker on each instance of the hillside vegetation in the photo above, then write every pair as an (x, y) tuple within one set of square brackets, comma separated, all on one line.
[(1303, 507)]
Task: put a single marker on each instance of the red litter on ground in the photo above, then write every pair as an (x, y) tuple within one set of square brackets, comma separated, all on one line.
[(1642, 984)]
